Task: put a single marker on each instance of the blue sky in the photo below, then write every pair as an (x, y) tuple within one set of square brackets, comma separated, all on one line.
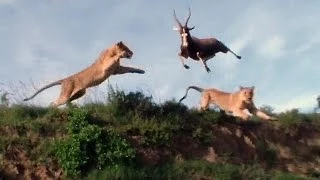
[(46, 40)]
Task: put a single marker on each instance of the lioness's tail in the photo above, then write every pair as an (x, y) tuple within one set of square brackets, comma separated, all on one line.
[(45, 87), (190, 87)]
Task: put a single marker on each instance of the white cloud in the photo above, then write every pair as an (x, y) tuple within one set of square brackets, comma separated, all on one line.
[(273, 47), (243, 40), (302, 102)]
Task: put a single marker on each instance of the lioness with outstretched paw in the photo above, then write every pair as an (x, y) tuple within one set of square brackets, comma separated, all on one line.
[(108, 63), (239, 104)]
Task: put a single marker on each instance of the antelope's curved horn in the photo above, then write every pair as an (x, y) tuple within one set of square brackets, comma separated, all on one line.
[(188, 18), (175, 18), (191, 28)]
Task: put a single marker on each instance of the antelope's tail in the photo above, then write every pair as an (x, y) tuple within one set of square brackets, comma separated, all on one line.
[(239, 57), (190, 87), (45, 87), (225, 49)]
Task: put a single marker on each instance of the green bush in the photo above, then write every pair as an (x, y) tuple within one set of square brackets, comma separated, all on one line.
[(293, 118), (172, 108), (154, 132), (90, 146), (79, 118), (204, 136), (137, 102)]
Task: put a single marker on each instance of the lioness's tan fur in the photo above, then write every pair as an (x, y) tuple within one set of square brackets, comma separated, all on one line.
[(108, 63), (238, 103)]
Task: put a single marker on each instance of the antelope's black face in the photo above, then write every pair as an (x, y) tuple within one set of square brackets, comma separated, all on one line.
[(183, 30), (184, 35)]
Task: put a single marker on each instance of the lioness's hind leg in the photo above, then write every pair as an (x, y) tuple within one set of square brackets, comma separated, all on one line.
[(204, 103), (66, 91), (77, 95)]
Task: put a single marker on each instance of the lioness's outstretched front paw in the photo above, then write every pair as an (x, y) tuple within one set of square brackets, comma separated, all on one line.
[(186, 66), (273, 119), (139, 71)]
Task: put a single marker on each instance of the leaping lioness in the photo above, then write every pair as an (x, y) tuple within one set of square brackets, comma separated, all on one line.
[(108, 63), (239, 103)]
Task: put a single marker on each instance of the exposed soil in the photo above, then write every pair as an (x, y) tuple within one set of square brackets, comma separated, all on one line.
[(296, 151), (247, 143), (17, 165)]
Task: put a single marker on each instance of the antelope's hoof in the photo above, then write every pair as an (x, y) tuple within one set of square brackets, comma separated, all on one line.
[(186, 66), (239, 57), (208, 69)]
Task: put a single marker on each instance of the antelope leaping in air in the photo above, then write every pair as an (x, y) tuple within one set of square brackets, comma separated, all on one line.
[(196, 48)]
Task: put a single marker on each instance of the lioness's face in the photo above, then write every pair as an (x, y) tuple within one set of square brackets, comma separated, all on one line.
[(246, 94), (124, 50)]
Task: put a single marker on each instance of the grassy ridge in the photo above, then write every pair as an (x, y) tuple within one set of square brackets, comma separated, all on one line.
[(130, 136)]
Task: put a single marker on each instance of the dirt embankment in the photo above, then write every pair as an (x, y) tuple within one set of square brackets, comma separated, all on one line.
[(296, 150)]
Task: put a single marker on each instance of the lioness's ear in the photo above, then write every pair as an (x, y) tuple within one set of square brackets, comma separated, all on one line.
[(252, 87), (120, 43), (240, 87)]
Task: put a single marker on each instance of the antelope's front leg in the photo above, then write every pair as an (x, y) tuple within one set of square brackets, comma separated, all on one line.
[(204, 62), (124, 69), (182, 61)]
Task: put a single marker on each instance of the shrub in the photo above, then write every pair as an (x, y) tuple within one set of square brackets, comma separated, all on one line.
[(79, 118), (90, 146), (292, 118), (154, 132), (204, 136), (123, 103), (171, 108)]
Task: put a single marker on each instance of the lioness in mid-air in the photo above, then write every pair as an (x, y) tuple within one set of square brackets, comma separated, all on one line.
[(239, 103), (108, 63)]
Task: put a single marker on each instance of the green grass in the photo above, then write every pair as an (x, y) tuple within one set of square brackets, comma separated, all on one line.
[(94, 141), (195, 169)]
